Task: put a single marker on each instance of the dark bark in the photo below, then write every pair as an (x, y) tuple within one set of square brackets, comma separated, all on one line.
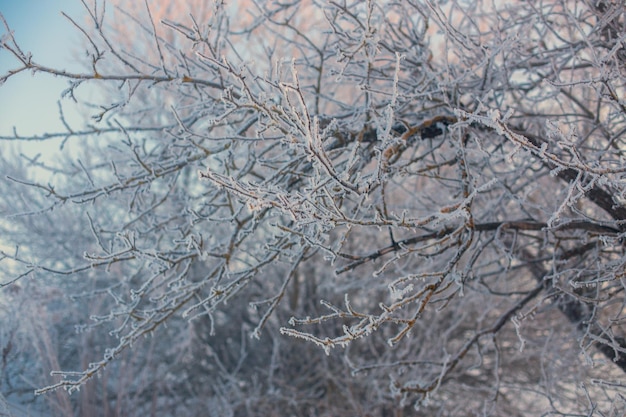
[(598, 195), (576, 311)]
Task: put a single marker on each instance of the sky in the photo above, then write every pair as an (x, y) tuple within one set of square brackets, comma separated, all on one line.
[(27, 102)]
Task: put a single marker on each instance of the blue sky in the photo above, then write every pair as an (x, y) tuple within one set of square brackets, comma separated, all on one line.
[(30, 102)]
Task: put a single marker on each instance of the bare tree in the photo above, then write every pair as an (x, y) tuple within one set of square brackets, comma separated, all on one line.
[(430, 193)]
